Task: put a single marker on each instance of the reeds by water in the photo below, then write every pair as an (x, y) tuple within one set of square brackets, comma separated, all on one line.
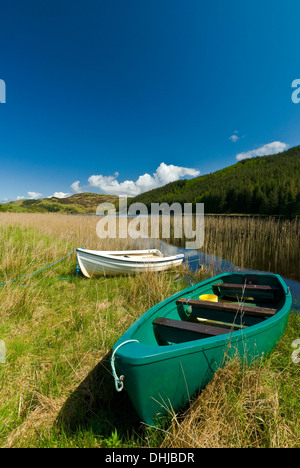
[(266, 244)]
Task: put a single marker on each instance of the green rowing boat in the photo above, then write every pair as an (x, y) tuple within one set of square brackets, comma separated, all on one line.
[(173, 349)]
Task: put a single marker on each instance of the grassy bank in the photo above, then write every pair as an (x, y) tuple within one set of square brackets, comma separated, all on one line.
[(56, 388)]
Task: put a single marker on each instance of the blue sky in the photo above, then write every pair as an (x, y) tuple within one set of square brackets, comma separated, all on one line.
[(121, 96)]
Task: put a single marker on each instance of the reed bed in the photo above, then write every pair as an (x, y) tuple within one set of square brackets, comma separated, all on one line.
[(56, 388), (78, 231), (266, 244)]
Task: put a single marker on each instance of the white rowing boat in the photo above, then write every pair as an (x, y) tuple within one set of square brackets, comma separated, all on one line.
[(97, 262)]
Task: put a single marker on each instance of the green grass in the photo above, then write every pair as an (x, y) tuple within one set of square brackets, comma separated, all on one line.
[(56, 388), (56, 333)]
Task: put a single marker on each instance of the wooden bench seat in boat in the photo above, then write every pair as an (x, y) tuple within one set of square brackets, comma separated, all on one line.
[(190, 327), (225, 307), (247, 287)]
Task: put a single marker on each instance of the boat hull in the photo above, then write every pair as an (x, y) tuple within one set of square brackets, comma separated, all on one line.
[(98, 263), (160, 379)]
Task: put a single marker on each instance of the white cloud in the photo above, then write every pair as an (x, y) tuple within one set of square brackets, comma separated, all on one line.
[(30, 195), (266, 150), (60, 195), (234, 138), (75, 186), (164, 174), (34, 195)]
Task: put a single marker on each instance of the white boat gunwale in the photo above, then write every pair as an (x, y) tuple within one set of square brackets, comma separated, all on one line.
[(114, 256)]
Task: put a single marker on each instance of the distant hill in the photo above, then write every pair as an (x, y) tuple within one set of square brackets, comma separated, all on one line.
[(78, 203), (263, 185)]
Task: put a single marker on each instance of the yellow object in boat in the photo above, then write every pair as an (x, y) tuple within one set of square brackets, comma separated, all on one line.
[(209, 297)]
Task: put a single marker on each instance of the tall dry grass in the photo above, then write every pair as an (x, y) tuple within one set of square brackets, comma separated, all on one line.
[(76, 231), (59, 328), (240, 408), (259, 243), (266, 244)]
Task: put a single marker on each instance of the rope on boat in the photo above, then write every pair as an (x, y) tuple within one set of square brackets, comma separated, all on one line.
[(42, 269), (119, 381)]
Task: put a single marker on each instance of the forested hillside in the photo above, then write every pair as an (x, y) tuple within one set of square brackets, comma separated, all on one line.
[(263, 185)]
